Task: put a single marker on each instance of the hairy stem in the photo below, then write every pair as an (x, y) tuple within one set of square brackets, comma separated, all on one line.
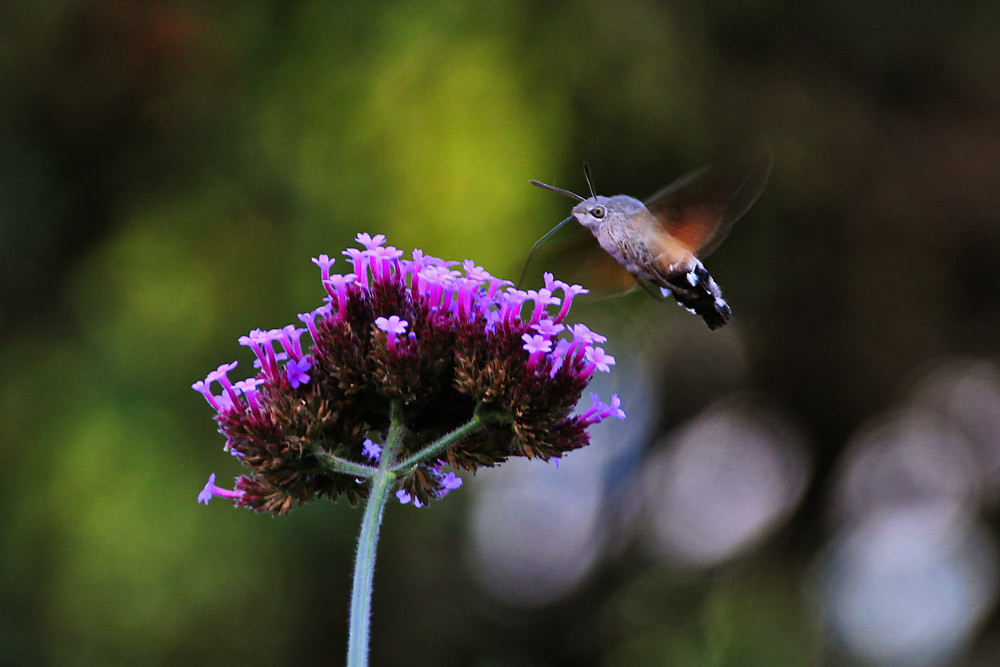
[(364, 565), (431, 451)]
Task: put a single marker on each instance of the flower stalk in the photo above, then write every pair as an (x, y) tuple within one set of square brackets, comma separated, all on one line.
[(359, 623)]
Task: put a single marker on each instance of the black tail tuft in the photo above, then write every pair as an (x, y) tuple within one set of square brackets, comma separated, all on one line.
[(696, 291)]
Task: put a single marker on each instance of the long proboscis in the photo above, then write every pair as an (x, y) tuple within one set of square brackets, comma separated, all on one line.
[(539, 242)]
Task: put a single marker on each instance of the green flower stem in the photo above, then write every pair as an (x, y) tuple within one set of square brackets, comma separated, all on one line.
[(364, 565), (382, 481), (431, 451), (364, 570), (348, 467)]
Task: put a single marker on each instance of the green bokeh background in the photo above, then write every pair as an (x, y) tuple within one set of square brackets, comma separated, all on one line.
[(167, 169)]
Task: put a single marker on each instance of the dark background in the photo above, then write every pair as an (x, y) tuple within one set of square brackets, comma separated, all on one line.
[(814, 484)]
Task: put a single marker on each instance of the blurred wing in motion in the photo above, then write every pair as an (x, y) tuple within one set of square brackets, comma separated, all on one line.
[(699, 209)]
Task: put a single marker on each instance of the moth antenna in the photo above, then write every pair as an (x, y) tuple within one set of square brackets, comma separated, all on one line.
[(552, 188), (590, 180)]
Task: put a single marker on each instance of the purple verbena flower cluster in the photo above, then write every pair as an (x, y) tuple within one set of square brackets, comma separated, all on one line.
[(442, 344)]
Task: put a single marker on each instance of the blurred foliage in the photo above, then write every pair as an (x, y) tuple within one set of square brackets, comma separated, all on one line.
[(168, 168)]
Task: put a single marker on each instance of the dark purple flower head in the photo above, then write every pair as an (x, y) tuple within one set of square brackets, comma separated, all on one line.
[(416, 345)]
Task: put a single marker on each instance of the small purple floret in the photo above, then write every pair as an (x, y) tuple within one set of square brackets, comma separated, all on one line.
[(542, 299), (596, 358), (324, 262), (537, 346), (211, 489), (371, 450), (336, 287), (569, 292), (547, 327), (450, 482), (392, 326), (598, 411), (309, 319), (297, 372), (370, 242)]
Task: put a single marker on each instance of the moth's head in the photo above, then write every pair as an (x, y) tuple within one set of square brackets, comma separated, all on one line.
[(596, 211)]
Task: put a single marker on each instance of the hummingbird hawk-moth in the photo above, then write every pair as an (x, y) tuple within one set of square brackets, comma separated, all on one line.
[(659, 243)]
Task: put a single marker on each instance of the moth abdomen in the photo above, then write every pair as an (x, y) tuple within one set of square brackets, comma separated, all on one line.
[(697, 291)]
